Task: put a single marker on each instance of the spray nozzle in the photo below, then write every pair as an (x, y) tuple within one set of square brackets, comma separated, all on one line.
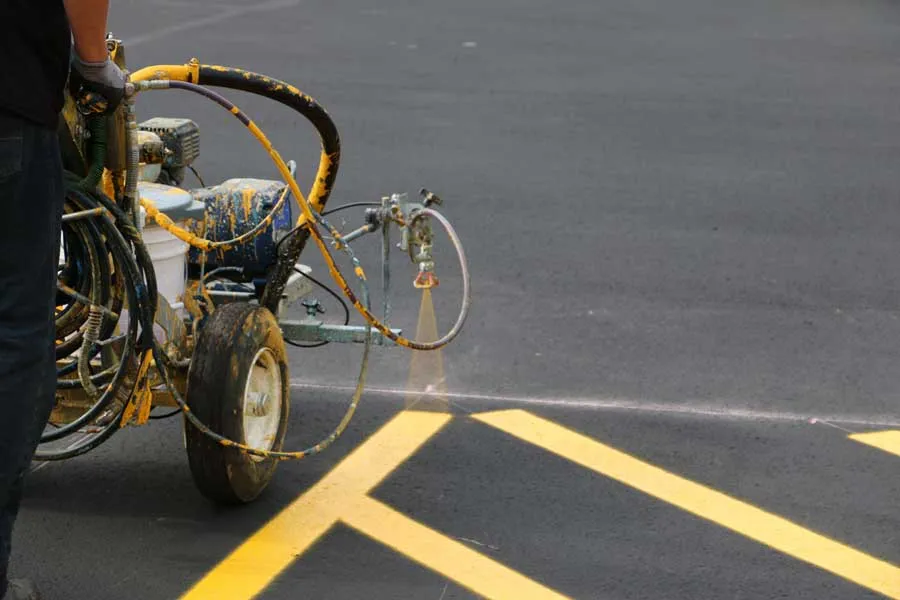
[(421, 240), (426, 279)]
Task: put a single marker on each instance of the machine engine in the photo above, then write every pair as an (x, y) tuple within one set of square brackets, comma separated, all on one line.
[(179, 142), (169, 146)]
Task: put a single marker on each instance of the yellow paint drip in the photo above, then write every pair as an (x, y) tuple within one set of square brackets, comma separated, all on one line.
[(426, 386), (247, 202)]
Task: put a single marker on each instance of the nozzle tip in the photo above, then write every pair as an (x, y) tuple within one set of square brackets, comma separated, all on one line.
[(425, 280)]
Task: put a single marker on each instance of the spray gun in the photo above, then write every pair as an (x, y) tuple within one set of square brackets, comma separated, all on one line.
[(422, 236), (415, 222), (417, 238), (425, 279)]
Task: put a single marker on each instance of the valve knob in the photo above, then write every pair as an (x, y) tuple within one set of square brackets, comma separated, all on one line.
[(430, 198)]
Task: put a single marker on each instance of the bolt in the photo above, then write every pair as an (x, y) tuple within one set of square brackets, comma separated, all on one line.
[(313, 307)]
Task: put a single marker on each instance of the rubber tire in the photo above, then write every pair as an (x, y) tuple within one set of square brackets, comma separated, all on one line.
[(226, 346)]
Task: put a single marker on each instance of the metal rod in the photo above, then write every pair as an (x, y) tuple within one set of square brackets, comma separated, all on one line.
[(132, 160), (83, 214), (317, 331), (225, 294), (357, 233), (111, 340), (83, 299), (386, 270)]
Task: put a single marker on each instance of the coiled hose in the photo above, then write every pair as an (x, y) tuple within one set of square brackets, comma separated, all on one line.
[(125, 275)]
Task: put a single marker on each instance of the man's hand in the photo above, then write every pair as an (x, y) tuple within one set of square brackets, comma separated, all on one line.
[(93, 71), (103, 78)]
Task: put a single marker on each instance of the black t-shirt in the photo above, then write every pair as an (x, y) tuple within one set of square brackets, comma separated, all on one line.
[(34, 53)]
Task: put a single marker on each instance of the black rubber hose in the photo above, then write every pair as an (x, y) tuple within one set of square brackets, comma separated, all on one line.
[(90, 244), (119, 250), (82, 239), (96, 125), (138, 299), (124, 227), (70, 322), (90, 333), (139, 296), (279, 91), (288, 95), (136, 280)]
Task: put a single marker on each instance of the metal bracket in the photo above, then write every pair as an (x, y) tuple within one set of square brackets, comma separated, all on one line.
[(297, 287), (317, 331), (171, 325)]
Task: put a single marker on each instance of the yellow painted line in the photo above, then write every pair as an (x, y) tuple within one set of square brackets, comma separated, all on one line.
[(743, 518), (889, 441), (448, 557), (250, 568)]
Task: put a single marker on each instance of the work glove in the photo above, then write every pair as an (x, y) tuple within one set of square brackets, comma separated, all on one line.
[(97, 86)]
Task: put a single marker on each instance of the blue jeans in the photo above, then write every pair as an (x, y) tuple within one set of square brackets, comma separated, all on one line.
[(31, 200)]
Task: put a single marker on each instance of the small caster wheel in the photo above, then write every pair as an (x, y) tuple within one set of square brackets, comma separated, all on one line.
[(238, 386)]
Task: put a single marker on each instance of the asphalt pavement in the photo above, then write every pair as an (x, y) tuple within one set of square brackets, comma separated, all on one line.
[(678, 379)]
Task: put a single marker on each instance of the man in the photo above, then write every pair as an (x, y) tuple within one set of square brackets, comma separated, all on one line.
[(35, 45)]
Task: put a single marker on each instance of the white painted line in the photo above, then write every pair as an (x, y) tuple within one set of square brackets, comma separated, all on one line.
[(224, 15), (624, 405)]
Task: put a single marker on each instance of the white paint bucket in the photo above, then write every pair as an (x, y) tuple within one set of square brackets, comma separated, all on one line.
[(169, 257)]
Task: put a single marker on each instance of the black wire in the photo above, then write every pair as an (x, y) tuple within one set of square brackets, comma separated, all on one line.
[(336, 296), (324, 214), (171, 413), (197, 175)]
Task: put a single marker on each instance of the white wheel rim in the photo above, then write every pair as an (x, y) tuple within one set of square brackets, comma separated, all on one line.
[(262, 406)]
